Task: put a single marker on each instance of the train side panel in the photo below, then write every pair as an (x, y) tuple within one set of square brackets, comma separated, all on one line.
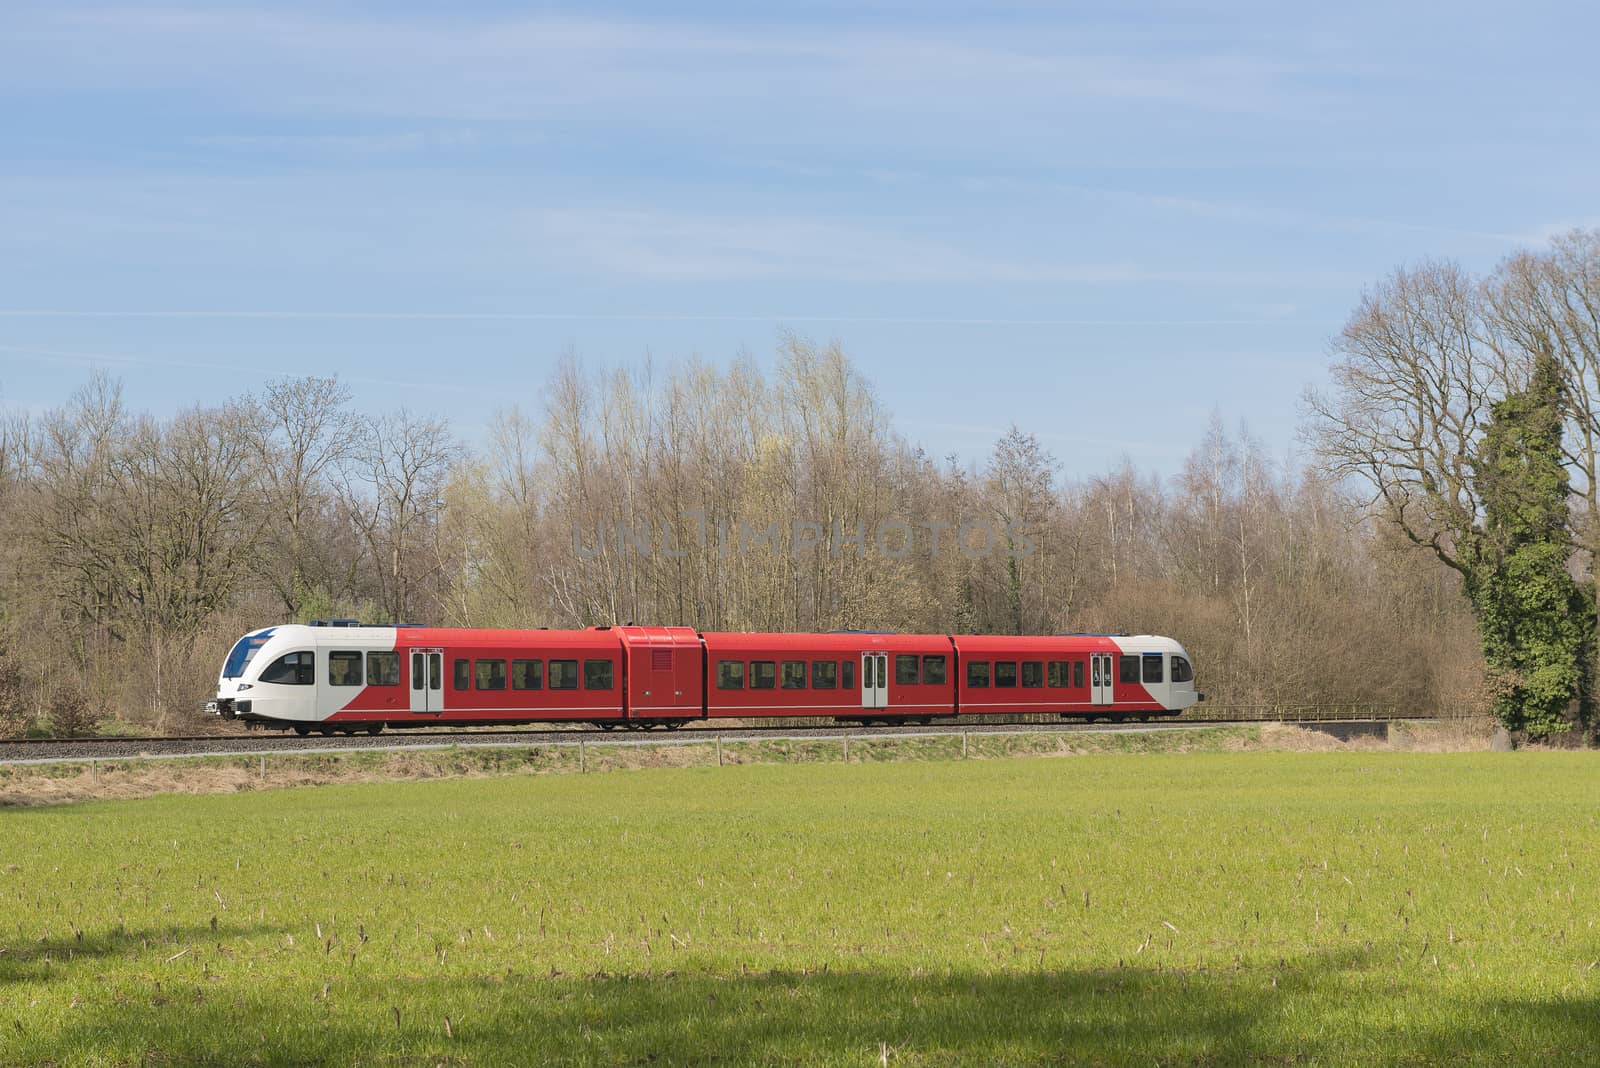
[(665, 672)]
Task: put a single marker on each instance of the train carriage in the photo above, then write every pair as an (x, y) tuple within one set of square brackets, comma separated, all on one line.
[(856, 676), (1092, 675)]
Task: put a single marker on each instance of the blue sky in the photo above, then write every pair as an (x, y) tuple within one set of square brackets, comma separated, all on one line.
[(1099, 221)]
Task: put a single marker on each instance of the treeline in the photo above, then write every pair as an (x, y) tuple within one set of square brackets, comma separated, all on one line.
[(136, 549)]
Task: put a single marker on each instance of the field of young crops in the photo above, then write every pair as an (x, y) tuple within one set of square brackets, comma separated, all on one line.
[(1202, 908)]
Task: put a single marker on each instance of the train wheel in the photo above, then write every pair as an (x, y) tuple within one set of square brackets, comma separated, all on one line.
[(606, 726), (674, 724), (302, 731), (326, 732), (374, 728)]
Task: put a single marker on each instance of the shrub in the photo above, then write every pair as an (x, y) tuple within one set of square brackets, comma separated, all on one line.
[(71, 714)]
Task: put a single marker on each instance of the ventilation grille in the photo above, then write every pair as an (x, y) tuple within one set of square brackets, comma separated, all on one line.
[(661, 659)]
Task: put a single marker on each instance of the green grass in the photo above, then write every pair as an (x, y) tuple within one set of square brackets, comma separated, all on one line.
[(1200, 908)]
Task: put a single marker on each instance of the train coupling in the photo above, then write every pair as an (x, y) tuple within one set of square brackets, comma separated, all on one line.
[(222, 706)]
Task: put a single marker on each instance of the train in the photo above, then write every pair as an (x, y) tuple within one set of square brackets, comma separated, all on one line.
[(342, 676)]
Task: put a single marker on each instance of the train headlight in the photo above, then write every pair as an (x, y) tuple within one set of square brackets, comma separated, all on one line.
[(243, 686)]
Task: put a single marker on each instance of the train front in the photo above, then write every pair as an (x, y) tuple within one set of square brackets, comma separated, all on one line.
[(267, 677), (1180, 690)]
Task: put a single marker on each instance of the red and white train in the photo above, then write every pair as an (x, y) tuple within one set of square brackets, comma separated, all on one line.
[(342, 676)]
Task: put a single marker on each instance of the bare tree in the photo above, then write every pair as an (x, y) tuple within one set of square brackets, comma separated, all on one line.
[(302, 433), (392, 489), (1414, 376)]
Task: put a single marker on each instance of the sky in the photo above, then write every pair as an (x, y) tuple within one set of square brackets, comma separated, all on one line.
[(1102, 222)]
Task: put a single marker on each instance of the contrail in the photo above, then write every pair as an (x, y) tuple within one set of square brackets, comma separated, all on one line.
[(649, 317)]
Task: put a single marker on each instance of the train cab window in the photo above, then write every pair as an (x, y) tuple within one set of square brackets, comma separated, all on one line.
[(794, 675), (1077, 673), (1033, 674), (905, 670), (1152, 668), (463, 674), (847, 674), (763, 674), (1060, 674), (933, 671), (527, 674), (344, 669), (978, 674), (597, 674), (489, 674), (730, 674), (1129, 669), (563, 674), (291, 669), (383, 669), (1181, 671), (824, 674), (1005, 673)]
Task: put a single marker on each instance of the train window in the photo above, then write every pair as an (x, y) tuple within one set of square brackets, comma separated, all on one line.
[(1033, 673), (1152, 668), (344, 669), (383, 669), (527, 674), (1060, 674), (730, 674), (866, 672), (463, 674), (847, 674), (1005, 673), (978, 674), (905, 670), (794, 675), (1130, 669), (824, 674), (1181, 671), (1077, 673), (489, 674), (290, 669), (763, 674), (563, 674), (597, 674), (933, 671)]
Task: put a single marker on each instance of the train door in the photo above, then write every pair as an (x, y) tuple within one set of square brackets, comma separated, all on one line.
[(874, 680), (427, 680), (1100, 678)]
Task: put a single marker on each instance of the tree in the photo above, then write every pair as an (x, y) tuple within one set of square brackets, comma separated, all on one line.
[(301, 434), (393, 494), (1537, 624)]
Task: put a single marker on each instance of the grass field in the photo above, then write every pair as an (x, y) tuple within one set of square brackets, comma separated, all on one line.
[(1200, 908)]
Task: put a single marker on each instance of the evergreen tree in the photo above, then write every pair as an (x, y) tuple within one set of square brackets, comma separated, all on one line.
[(1535, 622)]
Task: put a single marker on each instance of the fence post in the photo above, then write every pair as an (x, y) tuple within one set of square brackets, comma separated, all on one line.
[(91, 770), (719, 750), (263, 767), (963, 745), (583, 758), (847, 749)]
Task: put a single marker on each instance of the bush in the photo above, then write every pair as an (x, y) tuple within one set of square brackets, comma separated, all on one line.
[(71, 714)]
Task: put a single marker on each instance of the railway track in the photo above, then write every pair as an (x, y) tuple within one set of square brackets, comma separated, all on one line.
[(45, 750)]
